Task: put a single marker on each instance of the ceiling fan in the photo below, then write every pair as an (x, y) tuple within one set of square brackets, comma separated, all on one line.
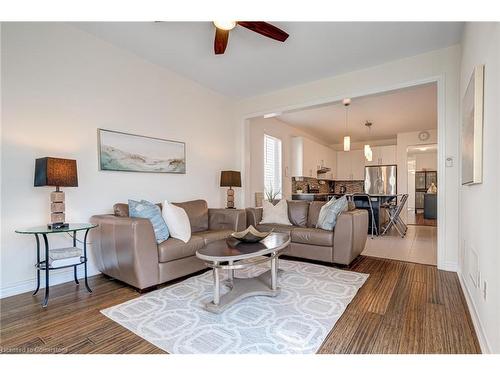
[(222, 32)]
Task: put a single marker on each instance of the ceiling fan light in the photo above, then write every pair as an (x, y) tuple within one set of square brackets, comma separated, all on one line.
[(347, 143), (225, 25)]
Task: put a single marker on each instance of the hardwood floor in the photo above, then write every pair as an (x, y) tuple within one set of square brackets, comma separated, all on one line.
[(402, 308)]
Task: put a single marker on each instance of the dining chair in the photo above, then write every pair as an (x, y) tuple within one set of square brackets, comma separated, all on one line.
[(395, 220)]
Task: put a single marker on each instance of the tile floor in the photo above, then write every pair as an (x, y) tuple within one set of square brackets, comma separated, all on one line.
[(418, 246)]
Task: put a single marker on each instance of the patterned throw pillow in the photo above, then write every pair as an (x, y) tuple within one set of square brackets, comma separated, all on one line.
[(151, 211), (329, 212)]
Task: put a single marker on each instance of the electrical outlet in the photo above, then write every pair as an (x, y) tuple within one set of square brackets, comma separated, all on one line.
[(484, 289)]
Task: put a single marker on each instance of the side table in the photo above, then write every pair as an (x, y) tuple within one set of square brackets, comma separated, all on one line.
[(43, 265)]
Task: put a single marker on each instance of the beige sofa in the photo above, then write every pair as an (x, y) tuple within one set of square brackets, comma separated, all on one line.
[(342, 245), (125, 248)]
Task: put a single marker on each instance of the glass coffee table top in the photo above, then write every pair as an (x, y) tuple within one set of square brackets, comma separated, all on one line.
[(232, 249), (43, 229)]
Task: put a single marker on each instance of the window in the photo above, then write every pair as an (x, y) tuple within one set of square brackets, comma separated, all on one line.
[(272, 165)]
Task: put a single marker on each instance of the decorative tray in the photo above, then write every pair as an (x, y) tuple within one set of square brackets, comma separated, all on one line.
[(250, 235)]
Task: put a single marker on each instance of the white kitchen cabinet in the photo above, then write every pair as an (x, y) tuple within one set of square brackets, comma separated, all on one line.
[(383, 155), (350, 165), (308, 156), (388, 155), (358, 164)]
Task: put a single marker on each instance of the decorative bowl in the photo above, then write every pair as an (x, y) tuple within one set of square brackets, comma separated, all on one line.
[(250, 235)]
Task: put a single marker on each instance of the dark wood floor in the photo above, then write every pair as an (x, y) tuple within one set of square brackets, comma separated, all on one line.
[(402, 308)]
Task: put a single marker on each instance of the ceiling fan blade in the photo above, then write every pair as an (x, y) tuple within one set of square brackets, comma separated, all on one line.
[(265, 29), (220, 42)]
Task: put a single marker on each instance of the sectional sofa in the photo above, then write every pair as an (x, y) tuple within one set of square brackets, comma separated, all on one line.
[(125, 248)]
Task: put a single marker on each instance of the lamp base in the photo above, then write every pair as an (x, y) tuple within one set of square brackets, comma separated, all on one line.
[(57, 225), (230, 198)]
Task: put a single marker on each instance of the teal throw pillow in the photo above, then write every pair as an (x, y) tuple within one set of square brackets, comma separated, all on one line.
[(151, 211), (329, 212)]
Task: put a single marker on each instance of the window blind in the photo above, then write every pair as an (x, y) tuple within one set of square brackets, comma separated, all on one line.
[(272, 165)]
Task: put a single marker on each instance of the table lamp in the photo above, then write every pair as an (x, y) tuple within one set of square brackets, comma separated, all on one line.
[(230, 179), (56, 172)]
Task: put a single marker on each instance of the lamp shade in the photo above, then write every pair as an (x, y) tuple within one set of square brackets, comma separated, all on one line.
[(55, 172), (230, 179)]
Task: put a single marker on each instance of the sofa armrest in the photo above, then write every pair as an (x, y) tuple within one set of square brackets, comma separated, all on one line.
[(125, 248), (350, 234), (254, 215), (226, 218)]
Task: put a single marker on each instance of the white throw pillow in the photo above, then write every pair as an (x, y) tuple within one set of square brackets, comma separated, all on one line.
[(275, 214), (177, 221)]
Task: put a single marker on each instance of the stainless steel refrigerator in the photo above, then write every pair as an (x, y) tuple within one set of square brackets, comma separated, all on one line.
[(381, 179)]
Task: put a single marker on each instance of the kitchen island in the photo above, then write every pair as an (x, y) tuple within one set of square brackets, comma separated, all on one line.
[(377, 200)]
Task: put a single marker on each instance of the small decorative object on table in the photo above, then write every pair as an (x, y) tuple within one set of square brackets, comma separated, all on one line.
[(59, 258), (230, 179), (250, 235), (56, 172)]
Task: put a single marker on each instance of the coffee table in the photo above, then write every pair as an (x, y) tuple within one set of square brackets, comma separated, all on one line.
[(231, 254)]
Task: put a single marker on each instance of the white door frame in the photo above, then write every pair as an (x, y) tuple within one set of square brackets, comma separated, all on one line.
[(441, 131)]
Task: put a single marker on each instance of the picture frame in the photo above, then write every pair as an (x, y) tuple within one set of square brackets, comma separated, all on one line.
[(472, 128), (126, 152)]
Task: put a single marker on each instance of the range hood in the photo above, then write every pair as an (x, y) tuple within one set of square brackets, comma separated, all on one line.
[(323, 170)]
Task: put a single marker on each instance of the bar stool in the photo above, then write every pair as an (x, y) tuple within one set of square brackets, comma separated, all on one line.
[(370, 209), (394, 211)]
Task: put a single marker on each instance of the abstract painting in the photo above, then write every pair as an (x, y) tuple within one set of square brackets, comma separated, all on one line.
[(472, 129), (136, 153)]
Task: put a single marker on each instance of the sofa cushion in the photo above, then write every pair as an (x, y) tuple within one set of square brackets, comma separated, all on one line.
[(312, 236), (173, 248), (297, 212), (214, 235), (314, 209), (197, 212), (279, 228)]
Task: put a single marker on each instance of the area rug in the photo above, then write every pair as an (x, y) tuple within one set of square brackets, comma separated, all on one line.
[(312, 299)]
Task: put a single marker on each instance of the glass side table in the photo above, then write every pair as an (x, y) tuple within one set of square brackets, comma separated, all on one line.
[(44, 264)]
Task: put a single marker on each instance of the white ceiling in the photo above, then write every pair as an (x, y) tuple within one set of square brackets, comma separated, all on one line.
[(255, 65), (390, 113)]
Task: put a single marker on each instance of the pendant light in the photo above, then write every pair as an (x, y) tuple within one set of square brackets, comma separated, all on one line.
[(347, 138), (367, 148)]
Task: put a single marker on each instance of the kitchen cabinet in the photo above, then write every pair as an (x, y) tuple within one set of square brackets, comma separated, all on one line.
[(350, 165), (383, 155), (309, 156)]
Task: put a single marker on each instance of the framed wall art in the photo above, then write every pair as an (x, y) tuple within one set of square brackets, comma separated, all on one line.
[(137, 153), (472, 129)]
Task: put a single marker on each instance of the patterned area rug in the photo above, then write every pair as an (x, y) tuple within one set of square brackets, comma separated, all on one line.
[(312, 299)]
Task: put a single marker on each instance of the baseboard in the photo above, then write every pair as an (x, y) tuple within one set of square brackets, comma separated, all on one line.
[(478, 327), (449, 266), (30, 284)]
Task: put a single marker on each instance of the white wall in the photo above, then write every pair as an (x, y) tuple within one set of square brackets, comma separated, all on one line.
[(426, 161), (257, 127), (59, 85), (441, 65), (480, 204)]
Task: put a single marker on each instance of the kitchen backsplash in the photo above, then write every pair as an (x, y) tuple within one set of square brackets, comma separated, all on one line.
[(326, 186), (351, 186), (303, 182)]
